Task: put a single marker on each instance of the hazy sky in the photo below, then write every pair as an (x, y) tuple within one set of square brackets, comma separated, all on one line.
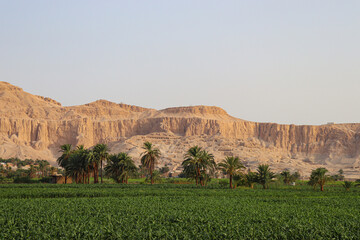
[(269, 61)]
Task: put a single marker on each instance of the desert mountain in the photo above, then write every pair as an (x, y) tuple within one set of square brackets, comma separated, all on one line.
[(34, 127)]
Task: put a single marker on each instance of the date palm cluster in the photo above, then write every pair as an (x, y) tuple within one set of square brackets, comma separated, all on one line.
[(81, 164)]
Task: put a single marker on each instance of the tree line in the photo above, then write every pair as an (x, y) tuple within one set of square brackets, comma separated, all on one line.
[(22, 170), (198, 164), (80, 164)]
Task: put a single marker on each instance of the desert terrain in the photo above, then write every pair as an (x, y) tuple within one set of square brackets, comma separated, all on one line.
[(34, 127)]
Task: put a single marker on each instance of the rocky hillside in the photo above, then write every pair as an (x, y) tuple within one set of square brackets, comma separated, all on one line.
[(34, 127)]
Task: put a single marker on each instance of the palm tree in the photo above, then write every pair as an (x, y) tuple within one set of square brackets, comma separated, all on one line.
[(91, 158), (196, 160), (63, 159), (52, 170), (95, 167), (192, 162), (339, 176), (231, 166), (102, 153), (238, 179), (32, 171), (80, 147), (347, 185), (251, 179), (141, 173), (74, 166), (156, 177), (128, 167), (286, 176), (208, 166), (120, 167), (83, 162), (113, 168), (318, 176), (78, 165), (264, 175), (149, 158), (190, 171), (43, 164)]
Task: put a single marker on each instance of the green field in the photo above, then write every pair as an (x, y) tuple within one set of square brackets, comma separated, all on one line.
[(173, 211)]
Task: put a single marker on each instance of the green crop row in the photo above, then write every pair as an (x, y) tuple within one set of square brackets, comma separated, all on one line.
[(176, 212)]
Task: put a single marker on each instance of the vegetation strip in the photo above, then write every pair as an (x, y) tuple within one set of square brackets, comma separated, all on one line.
[(168, 211)]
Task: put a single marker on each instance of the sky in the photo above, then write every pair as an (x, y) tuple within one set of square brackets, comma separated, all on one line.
[(293, 62)]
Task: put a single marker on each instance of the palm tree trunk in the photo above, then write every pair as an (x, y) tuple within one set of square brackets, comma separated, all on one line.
[(95, 167), (197, 175), (322, 187), (152, 167), (101, 173), (231, 186), (88, 175), (151, 176)]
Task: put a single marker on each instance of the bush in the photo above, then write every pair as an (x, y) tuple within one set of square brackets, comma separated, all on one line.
[(46, 180), (224, 182), (5, 180), (347, 185), (179, 181), (23, 180)]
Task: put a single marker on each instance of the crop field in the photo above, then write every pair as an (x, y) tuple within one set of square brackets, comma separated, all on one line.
[(170, 211)]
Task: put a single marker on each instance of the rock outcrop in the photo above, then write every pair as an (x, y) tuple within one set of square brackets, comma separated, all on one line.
[(35, 127)]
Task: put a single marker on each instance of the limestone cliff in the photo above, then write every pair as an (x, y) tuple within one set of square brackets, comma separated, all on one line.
[(35, 127)]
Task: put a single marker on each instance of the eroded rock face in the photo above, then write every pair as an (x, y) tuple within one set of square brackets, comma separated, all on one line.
[(35, 127)]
